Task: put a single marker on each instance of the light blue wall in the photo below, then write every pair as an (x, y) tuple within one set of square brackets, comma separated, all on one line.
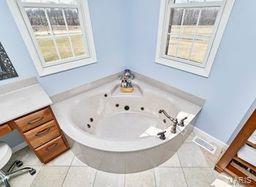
[(230, 89), (125, 35), (108, 27)]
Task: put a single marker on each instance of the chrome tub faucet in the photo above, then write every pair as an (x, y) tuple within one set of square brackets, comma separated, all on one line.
[(126, 81), (174, 120)]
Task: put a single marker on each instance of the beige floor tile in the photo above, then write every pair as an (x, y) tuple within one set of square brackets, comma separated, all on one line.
[(63, 160), (190, 155), (108, 179), (190, 137), (24, 180), (196, 163), (172, 162), (77, 162), (141, 179), (198, 177), (210, 158), (170, 177), (31, 159), (50, 177), (80, 177)]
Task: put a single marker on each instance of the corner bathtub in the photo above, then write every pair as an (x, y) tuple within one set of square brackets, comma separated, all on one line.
[(110, 131)]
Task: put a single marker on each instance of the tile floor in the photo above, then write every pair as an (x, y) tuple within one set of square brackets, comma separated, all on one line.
[(191, 166)]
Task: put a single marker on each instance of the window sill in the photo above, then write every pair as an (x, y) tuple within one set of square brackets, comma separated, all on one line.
[(44, 71), (202, 71)]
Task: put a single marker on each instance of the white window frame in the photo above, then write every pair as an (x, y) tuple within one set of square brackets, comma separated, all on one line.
[(27, 34), (178, 63)]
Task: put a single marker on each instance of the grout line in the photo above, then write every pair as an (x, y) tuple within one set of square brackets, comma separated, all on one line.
[(183, 167), (85, 166), (94, 178), (65, 176), (177, 152), (61, 166), (72, 161), (125, 180), (123, 176), (179, 156), (156, 168), (184, 176), (168, 167), (37, 173), (197, 167)]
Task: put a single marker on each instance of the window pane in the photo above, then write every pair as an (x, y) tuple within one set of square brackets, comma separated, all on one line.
[(47, 48), (194, 1), (184, 46), (78, 45), (171, 47), (207, 21), (32, 1), (64, 47), (186, 29), (38, 20), (175, 20), (72, 19), (52, 1), (199, 50), (190, 21), (68, 1), (57, 21), (180, 1), (213, 0)]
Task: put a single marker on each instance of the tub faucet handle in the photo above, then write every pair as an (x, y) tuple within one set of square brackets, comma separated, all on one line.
[(162, 135), (181, 123), (160, 111), (174, 126)]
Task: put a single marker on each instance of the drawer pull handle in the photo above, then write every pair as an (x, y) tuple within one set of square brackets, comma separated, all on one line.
[(35, 120), (51, 147), (43, 132)]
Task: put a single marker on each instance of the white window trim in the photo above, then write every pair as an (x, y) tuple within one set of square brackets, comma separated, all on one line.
[(199, 70), (59, 67)]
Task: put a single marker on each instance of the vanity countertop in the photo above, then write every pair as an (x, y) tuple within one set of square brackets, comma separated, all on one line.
[(18, 102)]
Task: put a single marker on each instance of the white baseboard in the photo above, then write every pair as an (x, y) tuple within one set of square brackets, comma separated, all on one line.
[(19, 147), (210, 138)]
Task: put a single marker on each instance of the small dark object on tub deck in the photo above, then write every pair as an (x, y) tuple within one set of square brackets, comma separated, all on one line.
[(91, 119), (117, 105), (162, 135), (88, 125), (105, 95), (126, 107)]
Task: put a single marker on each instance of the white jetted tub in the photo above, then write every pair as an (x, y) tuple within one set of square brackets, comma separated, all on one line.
[(117, 132)]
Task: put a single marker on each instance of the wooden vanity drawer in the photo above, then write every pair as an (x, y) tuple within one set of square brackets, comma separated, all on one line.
[(51, 149), (42, 134), (5, 129), (33, 120)]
